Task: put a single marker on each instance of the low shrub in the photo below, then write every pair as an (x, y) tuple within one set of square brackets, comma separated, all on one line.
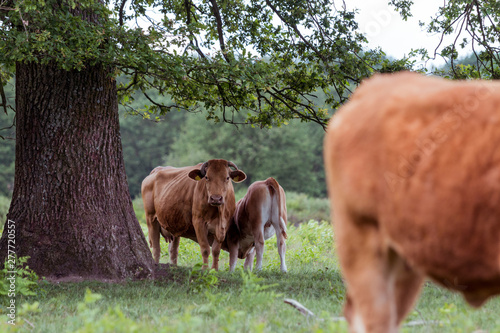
[(302, 208), (4, 209), (139, 210), (25, 280)]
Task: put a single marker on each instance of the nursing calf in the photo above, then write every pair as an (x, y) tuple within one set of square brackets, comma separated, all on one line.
[(413, 174), (258, 216)]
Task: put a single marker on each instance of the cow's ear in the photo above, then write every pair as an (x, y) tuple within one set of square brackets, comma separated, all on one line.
[(195, 174), (238, 176)]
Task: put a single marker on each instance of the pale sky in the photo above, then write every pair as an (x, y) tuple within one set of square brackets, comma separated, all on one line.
[(384, 27)]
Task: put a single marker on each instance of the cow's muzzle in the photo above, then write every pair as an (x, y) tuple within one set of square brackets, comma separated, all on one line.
[(216, 200)]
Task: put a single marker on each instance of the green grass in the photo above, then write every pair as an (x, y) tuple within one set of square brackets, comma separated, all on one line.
[(191, 300)]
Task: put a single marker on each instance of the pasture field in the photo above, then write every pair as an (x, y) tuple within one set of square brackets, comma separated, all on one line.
[(192, 300)]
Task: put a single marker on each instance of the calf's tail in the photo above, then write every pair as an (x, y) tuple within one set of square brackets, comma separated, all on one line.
[(274, 190)]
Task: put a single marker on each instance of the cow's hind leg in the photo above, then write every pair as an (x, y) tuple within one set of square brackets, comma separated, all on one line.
[(370, 270), (154, 236), (173, 249)]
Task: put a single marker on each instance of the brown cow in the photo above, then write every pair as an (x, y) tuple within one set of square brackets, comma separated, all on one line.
[(194, 202), (259, 215), (413, 173)]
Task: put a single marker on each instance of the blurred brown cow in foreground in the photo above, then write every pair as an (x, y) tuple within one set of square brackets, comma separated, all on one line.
[(413, 173), (195, 202), (259, 215)]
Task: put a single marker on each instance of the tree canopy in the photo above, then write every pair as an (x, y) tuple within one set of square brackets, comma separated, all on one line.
[(467, 25), (266, 58)]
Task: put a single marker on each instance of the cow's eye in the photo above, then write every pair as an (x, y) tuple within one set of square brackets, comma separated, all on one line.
[(206, 177), (227, 178)]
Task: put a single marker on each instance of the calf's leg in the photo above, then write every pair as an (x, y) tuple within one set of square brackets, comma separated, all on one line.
[(258, 219), (248, 265), (259, 249), (233, 254), (280, 240)]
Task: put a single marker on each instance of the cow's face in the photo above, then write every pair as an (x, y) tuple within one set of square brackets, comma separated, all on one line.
[(217, 176)]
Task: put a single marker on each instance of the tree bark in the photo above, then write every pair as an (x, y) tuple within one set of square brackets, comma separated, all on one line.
[(71, 203)]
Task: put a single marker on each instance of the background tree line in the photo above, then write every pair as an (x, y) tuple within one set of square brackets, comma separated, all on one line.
[(292, 153)]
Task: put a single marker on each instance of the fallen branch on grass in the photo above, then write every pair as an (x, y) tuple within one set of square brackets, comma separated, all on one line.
[(302, 309)]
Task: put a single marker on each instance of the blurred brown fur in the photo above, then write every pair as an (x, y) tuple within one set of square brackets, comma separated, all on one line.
[(413, 173)]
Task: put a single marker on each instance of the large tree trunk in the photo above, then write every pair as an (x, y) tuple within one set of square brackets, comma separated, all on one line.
[(71, 204)]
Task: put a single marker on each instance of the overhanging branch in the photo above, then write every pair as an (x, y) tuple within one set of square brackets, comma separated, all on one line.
[(218, 20)]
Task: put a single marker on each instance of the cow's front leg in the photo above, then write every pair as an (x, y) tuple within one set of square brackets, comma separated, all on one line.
[(173, 250), (215, 254), (370, 269), (202, 236)]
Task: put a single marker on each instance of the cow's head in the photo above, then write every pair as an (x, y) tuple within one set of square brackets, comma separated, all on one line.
[(243, 252), (217, 175)]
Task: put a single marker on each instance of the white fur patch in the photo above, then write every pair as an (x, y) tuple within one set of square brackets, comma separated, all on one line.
[(357, 324)]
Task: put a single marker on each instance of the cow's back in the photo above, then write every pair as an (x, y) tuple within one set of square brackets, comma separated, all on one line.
[(418, 157), (265, 201), (170, 192)]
